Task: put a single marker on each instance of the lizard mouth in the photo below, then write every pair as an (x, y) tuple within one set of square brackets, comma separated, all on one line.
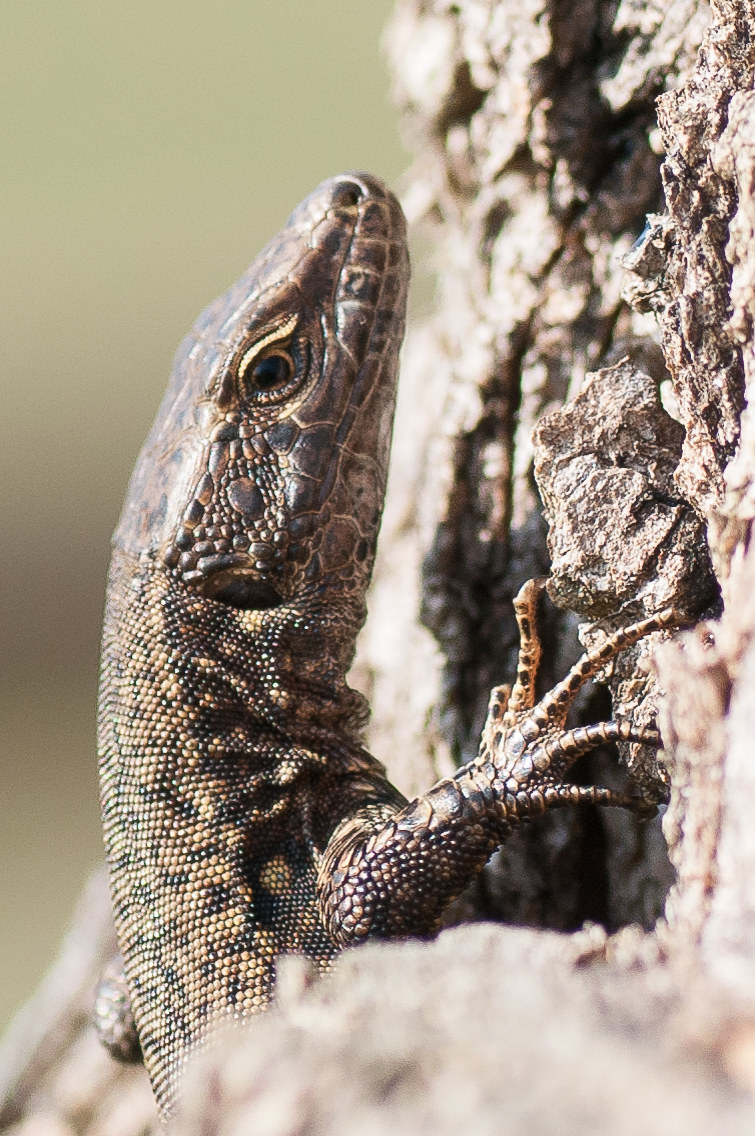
[(228, 579), (242, 590)]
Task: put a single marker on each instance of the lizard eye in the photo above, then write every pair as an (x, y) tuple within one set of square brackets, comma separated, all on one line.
[(272, 368), (271, 373)]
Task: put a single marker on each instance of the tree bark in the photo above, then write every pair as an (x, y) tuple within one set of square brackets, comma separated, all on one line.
[(577, 404)]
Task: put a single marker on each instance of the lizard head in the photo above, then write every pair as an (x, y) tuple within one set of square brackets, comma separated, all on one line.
[(264, 473)]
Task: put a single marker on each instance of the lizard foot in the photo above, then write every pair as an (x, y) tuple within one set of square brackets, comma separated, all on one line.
[(527, 743)]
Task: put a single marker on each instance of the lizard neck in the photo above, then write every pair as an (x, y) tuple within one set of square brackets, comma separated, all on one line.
[(282, 671)]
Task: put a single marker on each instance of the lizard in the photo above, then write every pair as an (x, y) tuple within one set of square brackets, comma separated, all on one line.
[(243, 816)]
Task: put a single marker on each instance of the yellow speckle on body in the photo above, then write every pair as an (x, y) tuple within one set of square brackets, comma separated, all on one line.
[(276, 876)]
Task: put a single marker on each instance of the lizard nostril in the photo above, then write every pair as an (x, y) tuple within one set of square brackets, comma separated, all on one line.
[(346, 194)]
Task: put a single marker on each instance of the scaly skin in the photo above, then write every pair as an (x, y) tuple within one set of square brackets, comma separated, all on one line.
[(243, 817)]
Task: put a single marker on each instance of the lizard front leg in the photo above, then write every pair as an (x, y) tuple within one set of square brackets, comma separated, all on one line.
[(388, 873), (113, 1016)]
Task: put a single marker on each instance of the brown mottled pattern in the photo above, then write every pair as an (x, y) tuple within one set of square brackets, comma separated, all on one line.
[(243, 819)]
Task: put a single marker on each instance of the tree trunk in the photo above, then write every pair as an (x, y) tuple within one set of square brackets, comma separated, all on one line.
[(588, 367)]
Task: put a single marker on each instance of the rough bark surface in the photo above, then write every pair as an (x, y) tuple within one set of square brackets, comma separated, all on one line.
[(540, 150)]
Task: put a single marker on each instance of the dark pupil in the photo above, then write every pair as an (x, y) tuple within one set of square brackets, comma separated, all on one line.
[(271, 372)]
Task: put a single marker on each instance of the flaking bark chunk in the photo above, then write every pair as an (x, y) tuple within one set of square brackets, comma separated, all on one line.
[(621, 536)]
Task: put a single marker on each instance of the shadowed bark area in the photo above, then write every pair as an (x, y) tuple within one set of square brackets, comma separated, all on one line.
[(611, 359), (538, 160)]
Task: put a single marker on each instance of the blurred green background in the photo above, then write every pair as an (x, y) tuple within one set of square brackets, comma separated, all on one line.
[(148, 152)]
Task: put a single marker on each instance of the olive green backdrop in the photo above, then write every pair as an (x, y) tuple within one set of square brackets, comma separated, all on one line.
[(148, 152)]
